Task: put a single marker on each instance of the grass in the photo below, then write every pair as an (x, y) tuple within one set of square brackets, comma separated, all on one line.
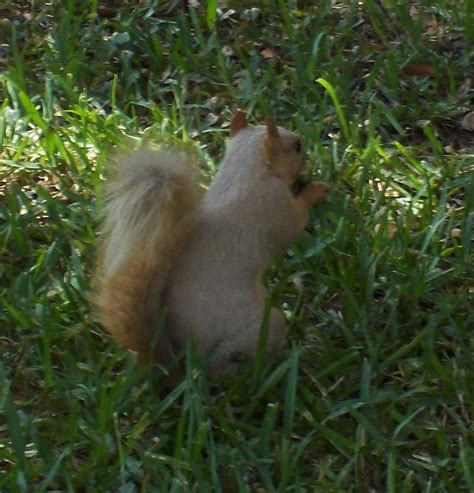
[(374, 391)]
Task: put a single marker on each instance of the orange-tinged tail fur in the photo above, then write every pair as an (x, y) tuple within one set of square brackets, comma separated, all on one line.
[(150, 209)]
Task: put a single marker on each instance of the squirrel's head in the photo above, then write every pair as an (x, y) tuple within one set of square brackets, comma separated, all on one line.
[(282, 150)]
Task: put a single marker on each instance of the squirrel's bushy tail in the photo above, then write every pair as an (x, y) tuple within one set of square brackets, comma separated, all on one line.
[(150, 209)]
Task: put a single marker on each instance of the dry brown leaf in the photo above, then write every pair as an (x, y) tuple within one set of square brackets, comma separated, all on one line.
[(391, 228), (165, 74), (468, 121), (431, 28), (267, 53), (106, 12), (377, 47), (418, 69)]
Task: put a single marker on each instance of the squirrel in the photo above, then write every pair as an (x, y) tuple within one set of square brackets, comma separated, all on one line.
[(201, 259)]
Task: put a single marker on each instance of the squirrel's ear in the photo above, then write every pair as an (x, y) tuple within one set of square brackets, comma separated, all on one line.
[(238, 123), (272, 129), (271, 141)]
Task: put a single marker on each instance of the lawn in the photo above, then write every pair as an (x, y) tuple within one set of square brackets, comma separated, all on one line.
[(375, 388)]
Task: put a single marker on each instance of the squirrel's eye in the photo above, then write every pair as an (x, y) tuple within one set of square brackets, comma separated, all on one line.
[(297, 146)]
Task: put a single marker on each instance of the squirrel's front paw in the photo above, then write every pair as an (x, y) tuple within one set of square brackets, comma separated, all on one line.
[(314, 192)]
